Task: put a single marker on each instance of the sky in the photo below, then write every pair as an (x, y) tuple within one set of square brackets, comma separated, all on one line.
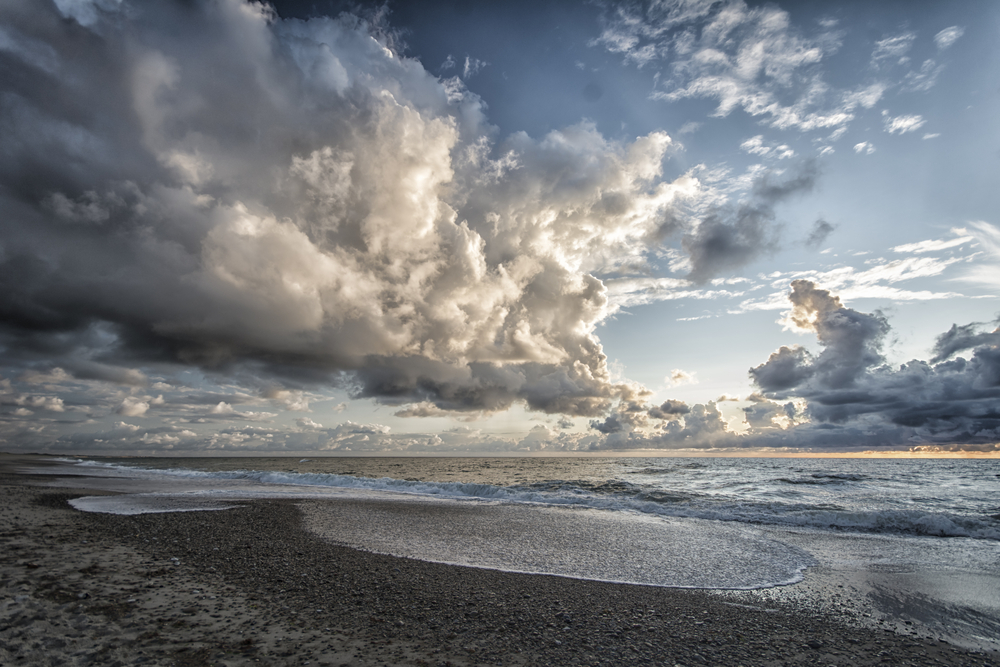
[(679, 226)]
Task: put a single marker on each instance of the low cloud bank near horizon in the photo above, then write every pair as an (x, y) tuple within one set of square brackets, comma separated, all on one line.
[(846, 398), (282, 206)]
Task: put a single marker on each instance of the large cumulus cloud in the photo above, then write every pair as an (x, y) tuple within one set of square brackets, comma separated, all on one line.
[(205, 184)]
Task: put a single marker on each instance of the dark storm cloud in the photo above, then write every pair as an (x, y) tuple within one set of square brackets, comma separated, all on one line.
[(729, 238), (669, 409), (612, 424), (760, 415), (960, 338), (850, 390), (784, 369)]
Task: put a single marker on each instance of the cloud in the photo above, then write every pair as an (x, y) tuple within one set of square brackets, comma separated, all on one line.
[(892, 48), (864, 147), (87, 12), (223, 410), (472, 67), (132, 407), (961, 338), (755, 146), (680, 377), (50, 403), (53, 376), (670, 409), (876, 282), (91, 370), (820, 231), (292, 204), (987, 237), (923, 79), (852, 341), (901, 124), (933, 245), (848, 388), (307, 424), (295, 401), (746, 58), (948, 36), (756, 60), (729, 238), (702, 427), (879, 280), (427, 409)]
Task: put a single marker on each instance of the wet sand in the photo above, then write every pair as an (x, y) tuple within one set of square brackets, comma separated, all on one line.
[(251, 586)]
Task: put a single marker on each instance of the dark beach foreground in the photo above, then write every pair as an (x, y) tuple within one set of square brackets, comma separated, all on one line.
[(251, 586)]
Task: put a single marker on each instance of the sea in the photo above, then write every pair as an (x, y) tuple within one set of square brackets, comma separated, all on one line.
[(909, 545)]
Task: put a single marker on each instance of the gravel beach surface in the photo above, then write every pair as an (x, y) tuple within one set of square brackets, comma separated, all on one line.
[(251, 586)]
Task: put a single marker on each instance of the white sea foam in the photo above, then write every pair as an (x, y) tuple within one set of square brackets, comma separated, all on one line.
[(567, 541), (137, 503)]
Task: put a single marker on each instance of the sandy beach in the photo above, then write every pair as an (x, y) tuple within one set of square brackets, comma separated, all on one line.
[(251, 586)]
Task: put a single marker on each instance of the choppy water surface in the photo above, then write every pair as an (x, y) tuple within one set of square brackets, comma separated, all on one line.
[(936, 497)]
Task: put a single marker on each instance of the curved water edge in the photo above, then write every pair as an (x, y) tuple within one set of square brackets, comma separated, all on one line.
[(574, 542)]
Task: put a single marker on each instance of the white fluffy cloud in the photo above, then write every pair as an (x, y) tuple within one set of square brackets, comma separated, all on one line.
[(132, 407)]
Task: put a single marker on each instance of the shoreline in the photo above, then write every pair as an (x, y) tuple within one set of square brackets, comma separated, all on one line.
[(252, 586)]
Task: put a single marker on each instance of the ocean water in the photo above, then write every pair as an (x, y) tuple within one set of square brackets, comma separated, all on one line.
[(911, 544), (934, 497)]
